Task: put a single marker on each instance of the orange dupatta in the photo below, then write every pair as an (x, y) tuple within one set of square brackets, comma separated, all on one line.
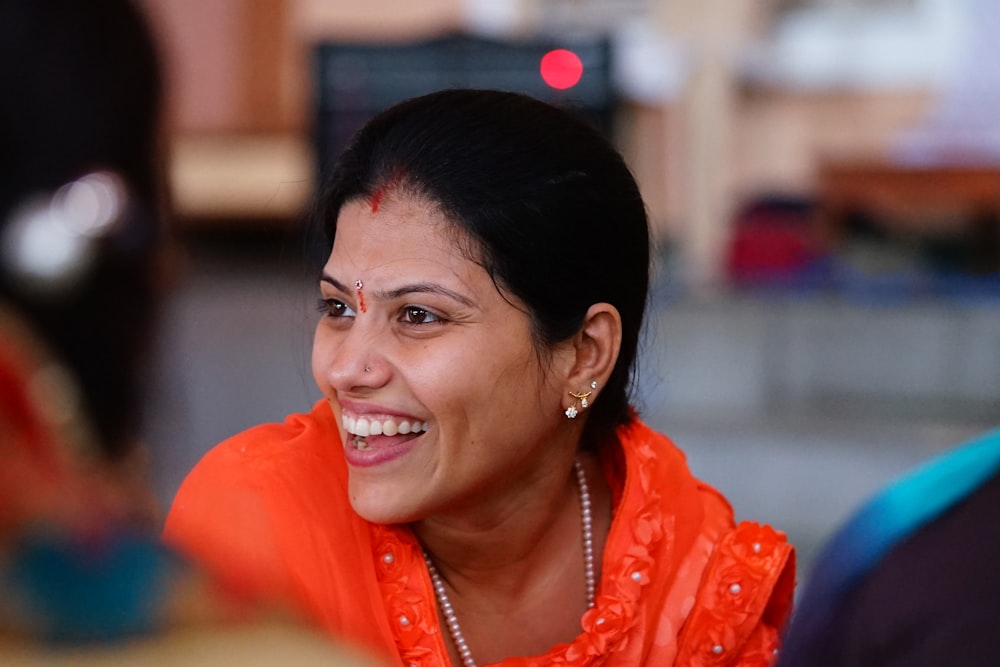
[(680, 583)]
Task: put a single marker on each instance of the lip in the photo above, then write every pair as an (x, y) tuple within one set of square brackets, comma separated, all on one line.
[(385, 448), (357, 409), (382, 454)]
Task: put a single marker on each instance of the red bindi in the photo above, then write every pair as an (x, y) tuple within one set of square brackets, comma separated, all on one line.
[(358, 285)]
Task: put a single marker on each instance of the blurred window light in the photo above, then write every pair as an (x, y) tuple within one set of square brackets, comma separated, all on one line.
[(792, 5), (492, 18), (649, 67), (817, 44)]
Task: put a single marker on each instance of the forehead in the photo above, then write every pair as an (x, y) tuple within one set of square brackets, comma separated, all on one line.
[(398, 232)]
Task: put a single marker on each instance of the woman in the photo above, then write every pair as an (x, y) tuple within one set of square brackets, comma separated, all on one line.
[(474, 487), (84, 578)]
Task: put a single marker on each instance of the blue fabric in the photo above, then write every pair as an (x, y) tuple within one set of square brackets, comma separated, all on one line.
[(893, 514), (101, 588)]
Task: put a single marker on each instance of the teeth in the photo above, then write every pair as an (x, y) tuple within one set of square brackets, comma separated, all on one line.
[(366, 426)]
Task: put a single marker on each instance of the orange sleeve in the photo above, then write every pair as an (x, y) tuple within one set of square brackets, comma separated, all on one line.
[(222, 523), (743, 602), (267, 513), (760, 650)]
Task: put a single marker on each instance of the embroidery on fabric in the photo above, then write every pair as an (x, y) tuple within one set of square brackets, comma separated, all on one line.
[(411, 605), (736, 589)]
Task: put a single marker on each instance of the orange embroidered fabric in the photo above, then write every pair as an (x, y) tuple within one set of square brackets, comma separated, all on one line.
[(680, 583)]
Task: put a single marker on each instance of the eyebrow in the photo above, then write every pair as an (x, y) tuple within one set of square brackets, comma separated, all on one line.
[(415, 288)]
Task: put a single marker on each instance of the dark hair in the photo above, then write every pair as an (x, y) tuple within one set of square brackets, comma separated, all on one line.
[(82, 93), (555, 212)]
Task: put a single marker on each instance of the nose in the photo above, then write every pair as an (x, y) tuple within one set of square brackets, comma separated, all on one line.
[(349, 361)]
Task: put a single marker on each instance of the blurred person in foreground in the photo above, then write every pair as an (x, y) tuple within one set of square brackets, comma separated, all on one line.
[(475, 486), (83, 575), (912, 579)]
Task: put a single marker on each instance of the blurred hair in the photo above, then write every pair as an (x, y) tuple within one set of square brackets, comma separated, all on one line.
[(82, 93), (554, 212)]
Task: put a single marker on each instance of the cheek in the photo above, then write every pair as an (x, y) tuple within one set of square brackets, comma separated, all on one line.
[(443, 380), (489, 388)]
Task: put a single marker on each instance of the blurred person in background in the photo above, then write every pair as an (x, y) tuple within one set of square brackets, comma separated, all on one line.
[(911, 580), (475, 487), (83, 244)]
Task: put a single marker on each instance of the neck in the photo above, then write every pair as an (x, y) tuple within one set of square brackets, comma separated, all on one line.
[(489, 544), (509, 579)]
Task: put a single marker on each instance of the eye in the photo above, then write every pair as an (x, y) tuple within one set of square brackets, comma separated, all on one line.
[(335, 308), (417, 315)]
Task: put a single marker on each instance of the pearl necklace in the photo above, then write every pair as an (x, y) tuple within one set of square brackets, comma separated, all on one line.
[(586, 518)]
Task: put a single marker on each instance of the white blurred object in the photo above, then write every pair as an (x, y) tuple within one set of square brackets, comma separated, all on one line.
[(962, 126), (495, 18), (51, 240), (864, 47), (648, 67)]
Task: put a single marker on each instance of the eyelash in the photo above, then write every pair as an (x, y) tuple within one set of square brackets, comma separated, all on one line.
[(337, 309), (410, 311), (329, 307)]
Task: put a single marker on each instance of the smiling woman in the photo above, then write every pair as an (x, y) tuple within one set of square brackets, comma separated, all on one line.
[(474, 487), (452, 318)]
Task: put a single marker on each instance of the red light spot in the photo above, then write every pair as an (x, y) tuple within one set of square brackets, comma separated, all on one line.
[(561, 69)]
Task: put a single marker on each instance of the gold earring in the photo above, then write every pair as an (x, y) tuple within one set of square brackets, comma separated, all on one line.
[(581, 397)]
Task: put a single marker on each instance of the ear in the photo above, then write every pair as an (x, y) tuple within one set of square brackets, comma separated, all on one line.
[(595, 348)]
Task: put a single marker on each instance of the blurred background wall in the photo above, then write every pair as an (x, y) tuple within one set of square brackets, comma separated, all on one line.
[(719, 102), (823, 179)]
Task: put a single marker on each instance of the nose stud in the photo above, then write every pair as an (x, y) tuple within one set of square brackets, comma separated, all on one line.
[(367, 369)]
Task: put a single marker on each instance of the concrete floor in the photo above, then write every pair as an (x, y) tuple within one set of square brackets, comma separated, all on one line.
[(796, 407)]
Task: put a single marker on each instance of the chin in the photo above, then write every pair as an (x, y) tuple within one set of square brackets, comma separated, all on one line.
[(378, 506)]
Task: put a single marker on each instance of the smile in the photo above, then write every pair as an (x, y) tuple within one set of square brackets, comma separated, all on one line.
[(366, 426), (372, 440)]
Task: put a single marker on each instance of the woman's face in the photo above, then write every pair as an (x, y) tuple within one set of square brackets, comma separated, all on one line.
[(444, 404)]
